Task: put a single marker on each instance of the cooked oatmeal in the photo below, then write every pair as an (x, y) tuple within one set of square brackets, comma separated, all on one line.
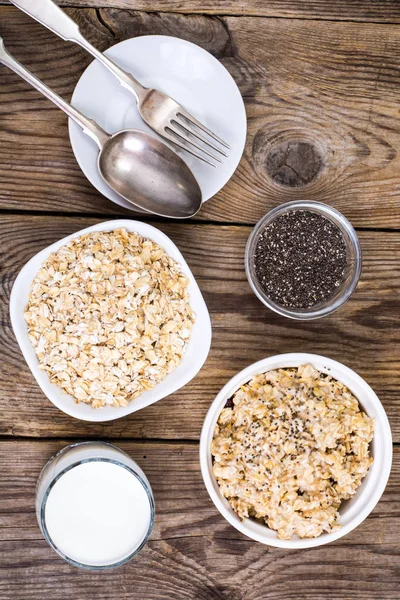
[(109, 317), (290, 449)]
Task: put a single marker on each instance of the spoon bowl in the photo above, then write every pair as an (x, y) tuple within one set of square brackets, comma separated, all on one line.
[(149, 174), (136, 165)]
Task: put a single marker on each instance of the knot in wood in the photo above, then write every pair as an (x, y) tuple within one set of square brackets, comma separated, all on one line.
[(293, 163)]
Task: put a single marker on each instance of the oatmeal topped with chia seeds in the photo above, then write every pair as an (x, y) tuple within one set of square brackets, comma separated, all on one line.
[(109, 317), (290, 449)]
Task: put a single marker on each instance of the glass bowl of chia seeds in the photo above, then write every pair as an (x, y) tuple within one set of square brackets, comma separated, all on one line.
[(303, 260)]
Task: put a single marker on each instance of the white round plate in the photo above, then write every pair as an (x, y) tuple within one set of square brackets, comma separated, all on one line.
[(190, 75)]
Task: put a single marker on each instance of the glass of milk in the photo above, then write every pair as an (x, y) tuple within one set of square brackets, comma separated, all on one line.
[(94, 505)]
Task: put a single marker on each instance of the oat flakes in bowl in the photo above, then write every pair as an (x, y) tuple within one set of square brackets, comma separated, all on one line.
[(280, 475), (112, 318), (290, 449)]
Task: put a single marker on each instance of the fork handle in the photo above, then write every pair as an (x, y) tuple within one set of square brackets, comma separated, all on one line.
[(54, 18), (91, 128)]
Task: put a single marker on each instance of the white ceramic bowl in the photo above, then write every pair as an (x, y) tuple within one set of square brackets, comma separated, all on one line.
[(194, 357), (353, 511)]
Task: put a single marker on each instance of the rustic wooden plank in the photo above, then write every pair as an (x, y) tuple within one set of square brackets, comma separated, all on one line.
[(193, 552), (381, 11), (321, 98), (364, 334)]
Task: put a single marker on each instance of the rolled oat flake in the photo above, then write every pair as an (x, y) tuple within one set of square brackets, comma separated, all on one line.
[(300, 259)]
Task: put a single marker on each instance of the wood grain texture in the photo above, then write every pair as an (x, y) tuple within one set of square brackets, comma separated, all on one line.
[(380, 11), (364, 334), (321, 97), (193, 554)]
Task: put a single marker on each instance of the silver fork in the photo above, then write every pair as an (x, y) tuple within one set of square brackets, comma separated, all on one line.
[(165, 116)]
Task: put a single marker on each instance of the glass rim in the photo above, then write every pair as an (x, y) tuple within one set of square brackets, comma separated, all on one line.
[(72, 466), (328, 212)]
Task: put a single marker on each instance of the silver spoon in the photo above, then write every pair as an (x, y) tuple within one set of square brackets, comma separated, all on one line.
[(136, 165)]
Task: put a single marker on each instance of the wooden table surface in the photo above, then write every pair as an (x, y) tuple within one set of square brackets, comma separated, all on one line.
[(321, 83)]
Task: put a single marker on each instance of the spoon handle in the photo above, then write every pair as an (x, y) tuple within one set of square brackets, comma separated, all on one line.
[(89, 126), (54, 18)]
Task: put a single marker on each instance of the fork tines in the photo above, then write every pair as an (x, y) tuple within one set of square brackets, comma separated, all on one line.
[(189, 134)]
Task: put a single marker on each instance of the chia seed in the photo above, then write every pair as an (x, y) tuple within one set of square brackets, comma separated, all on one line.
[(229, 403), (300, 259)]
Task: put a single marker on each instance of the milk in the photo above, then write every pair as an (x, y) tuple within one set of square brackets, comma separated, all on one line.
[(95, 509)]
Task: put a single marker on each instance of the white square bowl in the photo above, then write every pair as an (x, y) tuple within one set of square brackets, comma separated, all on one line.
[(193, 359)]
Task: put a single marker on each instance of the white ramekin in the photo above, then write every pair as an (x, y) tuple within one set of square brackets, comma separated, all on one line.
[(194, 357), (353, 511)]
